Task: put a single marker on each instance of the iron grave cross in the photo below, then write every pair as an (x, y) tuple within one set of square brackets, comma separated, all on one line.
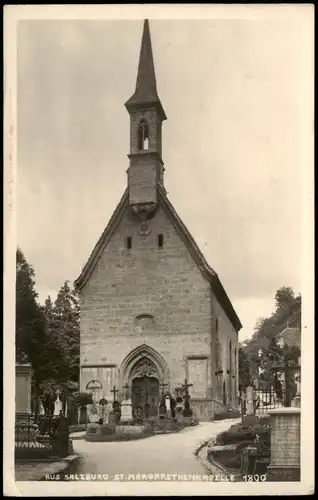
[(114, 390), (186, 386)]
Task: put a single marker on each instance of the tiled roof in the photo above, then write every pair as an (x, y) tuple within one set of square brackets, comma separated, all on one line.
[(291, 336), (146, 86)]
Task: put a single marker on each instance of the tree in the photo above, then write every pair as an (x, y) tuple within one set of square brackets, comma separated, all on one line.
[(245, 377), (284, 299), (287, 313), (28, 314), (31, 336), (278, 360), (47, 336), (65, 324)]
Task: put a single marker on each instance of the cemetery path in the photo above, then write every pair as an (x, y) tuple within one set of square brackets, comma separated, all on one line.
[(160, 454)]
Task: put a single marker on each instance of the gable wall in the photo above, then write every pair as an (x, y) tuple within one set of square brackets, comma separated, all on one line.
[(164, 282)]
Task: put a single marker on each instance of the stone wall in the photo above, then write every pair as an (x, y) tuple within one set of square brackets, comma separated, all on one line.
[(154, 123), (226, 334), (285, 444), (164, 283), (23, 378)]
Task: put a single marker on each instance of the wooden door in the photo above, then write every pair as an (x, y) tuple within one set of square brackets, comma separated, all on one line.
[(145, 393)]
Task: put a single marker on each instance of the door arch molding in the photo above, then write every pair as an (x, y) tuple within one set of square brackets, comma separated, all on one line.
[(135, 356)]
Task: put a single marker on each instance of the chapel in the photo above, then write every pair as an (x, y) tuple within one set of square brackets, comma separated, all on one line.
[(154, 314)]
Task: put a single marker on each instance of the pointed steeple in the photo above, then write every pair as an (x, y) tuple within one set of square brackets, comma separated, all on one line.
[(146, 86)]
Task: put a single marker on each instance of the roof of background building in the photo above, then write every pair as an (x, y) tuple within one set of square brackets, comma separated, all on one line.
[(291, 336)]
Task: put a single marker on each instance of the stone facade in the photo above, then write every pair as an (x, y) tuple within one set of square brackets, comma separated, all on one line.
[(165, 286), (285, 445), (23, 378), (147, 294)]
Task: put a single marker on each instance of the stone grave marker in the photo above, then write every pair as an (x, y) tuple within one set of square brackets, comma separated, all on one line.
[(58, 405), (41, 409), (126, 407), (107, 410), (249, 400), (93, 413), (93, 429), (23, 377), (168, 406), (126, 411)]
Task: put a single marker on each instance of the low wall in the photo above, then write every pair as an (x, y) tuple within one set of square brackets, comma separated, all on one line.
[(209, 409), (96, 432)]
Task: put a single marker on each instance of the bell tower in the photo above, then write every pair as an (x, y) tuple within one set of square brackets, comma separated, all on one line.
[(146, 116)]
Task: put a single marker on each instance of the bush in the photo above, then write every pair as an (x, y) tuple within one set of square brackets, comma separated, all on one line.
[(107, 430), (266, 420), (234, 437), (245, 444), (240, 433), (234, 414), (220, 416), (77, 428), (230, 460)]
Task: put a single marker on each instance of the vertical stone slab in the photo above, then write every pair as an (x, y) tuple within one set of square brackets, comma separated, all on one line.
[(23, 379), (285, 445), (126, 411), (249, 397)]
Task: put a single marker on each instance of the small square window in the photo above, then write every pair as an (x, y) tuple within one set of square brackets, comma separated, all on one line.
[(160, 240), (128, 242)]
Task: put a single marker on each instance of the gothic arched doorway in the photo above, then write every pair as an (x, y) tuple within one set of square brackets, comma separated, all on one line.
[(145, 387), (145, 393)]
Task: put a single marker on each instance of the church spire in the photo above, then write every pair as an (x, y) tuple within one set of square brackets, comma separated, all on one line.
[(146, 86), (146, 168)]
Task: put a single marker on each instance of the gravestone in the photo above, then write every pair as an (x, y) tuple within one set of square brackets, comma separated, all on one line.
[(162, 409), (168, 406), (107, 410), (139, 416), (23, 377), (93, 413), (249, 400), (116, 411), (297, 399), (41, 409), (179, 414), (93, 429), (126, 411), (179, 407), (58, 405)]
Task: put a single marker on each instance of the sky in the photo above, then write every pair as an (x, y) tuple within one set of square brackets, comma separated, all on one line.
[(232, 90)]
